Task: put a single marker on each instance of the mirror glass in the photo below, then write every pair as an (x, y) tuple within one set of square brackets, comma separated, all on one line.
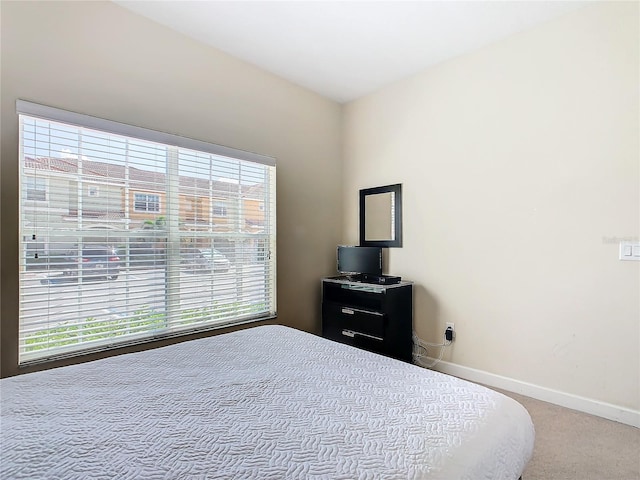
[(379, 219), (381, 216)]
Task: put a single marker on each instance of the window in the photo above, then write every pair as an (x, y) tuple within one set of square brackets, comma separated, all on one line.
[(193, 211), (220, 209), (149, 257), (146, 203), (35, 188)]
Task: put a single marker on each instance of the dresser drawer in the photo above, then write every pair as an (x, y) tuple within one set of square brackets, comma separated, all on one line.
[(373, 317), (356, 320)]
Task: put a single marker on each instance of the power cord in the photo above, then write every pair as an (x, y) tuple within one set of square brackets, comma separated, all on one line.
[(421, 348)]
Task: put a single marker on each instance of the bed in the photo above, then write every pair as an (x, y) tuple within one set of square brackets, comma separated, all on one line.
[(268, 402)]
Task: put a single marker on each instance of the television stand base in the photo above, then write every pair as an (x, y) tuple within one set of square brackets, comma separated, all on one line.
[(377, 279)]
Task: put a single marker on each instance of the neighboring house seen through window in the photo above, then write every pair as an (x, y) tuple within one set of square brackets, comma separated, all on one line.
[(168, 244)]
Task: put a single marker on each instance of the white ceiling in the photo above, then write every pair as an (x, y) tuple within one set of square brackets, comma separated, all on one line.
[(346, 49)]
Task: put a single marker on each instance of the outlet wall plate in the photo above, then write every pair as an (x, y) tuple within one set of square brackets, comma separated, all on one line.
[(629, 251)]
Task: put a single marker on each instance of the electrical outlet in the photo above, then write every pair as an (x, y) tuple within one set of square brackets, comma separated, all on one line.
[(450, 332)]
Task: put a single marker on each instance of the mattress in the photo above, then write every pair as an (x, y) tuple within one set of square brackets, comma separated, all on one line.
[(268, 402)]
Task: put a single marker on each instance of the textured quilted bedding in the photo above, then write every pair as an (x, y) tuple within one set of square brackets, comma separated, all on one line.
[(264, 403)]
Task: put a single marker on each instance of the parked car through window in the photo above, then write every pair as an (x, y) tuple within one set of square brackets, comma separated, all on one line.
[(96, 261)]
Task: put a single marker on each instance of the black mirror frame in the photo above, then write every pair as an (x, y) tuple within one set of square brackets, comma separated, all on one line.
[(397, 225)]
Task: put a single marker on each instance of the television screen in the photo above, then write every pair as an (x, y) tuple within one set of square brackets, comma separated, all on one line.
[(366, 260)]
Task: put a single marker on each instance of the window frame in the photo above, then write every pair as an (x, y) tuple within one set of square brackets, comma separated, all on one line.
[(220, 208), (35, 188), (147, 202), (175, 144), (93, 191)]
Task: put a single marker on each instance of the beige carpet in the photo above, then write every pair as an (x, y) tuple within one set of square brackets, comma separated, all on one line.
[(574, 445)]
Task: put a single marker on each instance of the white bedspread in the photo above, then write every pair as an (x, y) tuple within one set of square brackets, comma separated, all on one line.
[(264, 403)]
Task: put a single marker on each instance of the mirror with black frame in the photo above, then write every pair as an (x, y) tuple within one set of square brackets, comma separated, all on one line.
[(381, 216)]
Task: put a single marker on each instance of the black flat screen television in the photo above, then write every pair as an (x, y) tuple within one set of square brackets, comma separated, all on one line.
[(359, 260)]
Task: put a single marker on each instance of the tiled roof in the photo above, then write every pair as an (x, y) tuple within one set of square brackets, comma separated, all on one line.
[(138, 178)]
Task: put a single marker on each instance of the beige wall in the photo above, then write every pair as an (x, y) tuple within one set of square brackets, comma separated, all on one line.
[(99, 59), (520, 167)]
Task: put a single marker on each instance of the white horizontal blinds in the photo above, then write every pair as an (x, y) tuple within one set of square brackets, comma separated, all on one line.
[(224, 216), (125, 239)]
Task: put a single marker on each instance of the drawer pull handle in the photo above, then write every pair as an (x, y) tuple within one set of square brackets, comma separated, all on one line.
[(352, 334), (353, 311)]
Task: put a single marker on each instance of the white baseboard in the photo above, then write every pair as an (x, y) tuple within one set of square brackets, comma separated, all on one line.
[(594, 407)]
